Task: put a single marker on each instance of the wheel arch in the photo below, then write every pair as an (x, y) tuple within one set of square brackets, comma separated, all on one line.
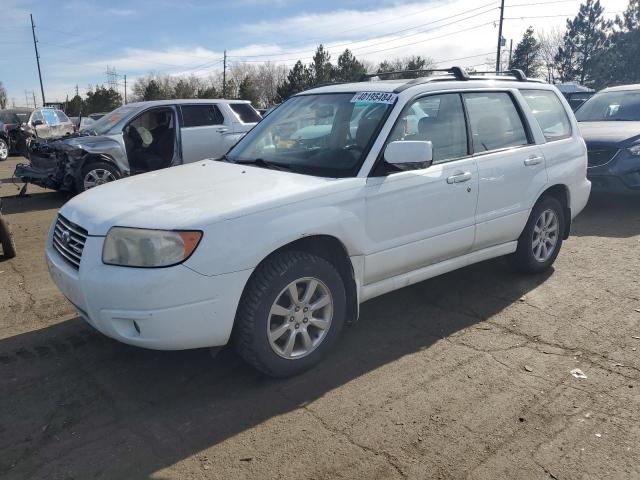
[(335, 252), (561, 193)]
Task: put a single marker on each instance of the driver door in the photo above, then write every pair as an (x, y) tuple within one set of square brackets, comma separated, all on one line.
[(422, 216)]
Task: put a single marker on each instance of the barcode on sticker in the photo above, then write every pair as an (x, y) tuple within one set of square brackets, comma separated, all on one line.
[(374, 97)]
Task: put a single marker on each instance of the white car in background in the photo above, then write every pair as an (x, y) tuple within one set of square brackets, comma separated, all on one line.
[(276, 247)]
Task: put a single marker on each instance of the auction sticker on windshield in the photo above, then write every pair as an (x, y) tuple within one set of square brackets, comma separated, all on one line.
[(374, 97)]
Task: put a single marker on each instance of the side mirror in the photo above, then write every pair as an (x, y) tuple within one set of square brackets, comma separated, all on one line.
[(398, 153), (35, 123)]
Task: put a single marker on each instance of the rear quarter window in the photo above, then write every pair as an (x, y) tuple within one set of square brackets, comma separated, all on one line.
[(245, 112), (201, 115), (549, 113)]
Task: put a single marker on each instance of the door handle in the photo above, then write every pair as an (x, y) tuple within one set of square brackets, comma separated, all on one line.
[(533, 160), (459, 177), (221, 130)]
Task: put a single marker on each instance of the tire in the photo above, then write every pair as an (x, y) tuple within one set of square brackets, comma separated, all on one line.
[(8, 247), (269, 286), (4, 149), (529, 256), (104, 172)]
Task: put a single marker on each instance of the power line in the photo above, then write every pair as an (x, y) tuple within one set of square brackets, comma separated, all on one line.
[(333, 46)]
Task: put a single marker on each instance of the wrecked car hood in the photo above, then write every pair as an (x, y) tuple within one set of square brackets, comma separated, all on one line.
[(192, 196)]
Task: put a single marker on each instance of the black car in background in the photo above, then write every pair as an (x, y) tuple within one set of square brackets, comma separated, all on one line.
[(610, 125), (11, 134)]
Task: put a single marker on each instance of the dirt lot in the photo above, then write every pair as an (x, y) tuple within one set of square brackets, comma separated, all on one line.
[(462, 376)]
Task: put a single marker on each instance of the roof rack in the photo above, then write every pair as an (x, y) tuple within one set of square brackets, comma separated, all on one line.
[(514, 72), (457, 72)]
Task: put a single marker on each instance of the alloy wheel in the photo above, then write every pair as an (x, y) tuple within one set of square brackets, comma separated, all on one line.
[(545, 236), (300, 318), (97, 176)]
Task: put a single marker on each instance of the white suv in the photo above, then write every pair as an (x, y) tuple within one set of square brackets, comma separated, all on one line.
[(276, 245)]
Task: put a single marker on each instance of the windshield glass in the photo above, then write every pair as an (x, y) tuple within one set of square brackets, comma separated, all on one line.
[(611, 106), (107, 122), (324, 135)]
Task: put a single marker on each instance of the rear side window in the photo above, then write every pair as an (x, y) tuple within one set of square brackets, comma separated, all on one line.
[(246, 112), (201, 115), (549, 113), (37, 116), (495, 122), (61, 116)]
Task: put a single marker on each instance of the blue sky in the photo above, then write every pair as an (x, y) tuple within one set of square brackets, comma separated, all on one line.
[(78, 39)]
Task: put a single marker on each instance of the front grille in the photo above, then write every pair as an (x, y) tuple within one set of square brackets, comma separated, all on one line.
[(599, 156), (68, 240)]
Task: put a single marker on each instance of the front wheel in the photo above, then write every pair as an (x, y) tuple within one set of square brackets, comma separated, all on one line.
[(290, 314), (6, 240), (540, 242), (4, 149), (96, 173)]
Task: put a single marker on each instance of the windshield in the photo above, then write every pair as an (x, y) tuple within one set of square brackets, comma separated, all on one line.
[(611, 106), (324, 134), (107, 122)]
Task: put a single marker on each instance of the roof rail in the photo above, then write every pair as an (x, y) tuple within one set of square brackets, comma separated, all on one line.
[(457, 72)]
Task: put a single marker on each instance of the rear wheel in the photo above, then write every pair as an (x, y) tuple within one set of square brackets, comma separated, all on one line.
[(6, 240), (4, 149), (96, 173), (540, 242), (290, 314)]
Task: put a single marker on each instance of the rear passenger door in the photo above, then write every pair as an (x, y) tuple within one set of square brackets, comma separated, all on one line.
[(202, 132), (511, 166)]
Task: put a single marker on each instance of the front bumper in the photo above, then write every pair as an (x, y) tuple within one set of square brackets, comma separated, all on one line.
[(620, 175), (172, 308)]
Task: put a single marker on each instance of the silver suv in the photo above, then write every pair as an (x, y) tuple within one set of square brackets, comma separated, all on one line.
[(137, 138)]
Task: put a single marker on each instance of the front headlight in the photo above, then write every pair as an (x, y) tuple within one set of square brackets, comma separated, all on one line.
[(635, 150), (139, 247)]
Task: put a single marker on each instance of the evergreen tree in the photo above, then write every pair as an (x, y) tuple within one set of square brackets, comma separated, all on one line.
[(184, 89), (321, 69), (75, 106), (298, 79), (526, 56), (618, 64), (349, 69), (584, 39), (153, 92), (247, 91), (101, 100)]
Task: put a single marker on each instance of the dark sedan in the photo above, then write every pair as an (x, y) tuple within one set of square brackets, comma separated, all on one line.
[(610, 125)]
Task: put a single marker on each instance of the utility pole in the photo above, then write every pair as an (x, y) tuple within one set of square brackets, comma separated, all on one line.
[(500, 36), (26, 98), (510, 52), (224, 75), (125, 88), (35, 45), (34, 99)]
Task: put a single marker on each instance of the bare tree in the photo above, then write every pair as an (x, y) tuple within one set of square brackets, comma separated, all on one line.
[(269, 77), (3, 96), (550, 42)]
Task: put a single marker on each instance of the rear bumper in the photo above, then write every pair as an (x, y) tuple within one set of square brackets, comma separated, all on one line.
[(170, 308), (579, 196)]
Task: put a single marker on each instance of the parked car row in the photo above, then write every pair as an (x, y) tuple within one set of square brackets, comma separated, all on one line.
[(137, 138), (343, 193)]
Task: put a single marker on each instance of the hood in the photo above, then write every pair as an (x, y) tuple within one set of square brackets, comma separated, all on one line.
[(190, 196), (621, 134)]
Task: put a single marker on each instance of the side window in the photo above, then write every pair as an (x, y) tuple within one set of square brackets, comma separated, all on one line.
[(61, 116), (201, 115), (245, 112), (495, 122), (37, 115), (436, 118), (549, 113)]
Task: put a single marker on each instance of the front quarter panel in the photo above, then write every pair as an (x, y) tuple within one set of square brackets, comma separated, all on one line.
[(242, 243)]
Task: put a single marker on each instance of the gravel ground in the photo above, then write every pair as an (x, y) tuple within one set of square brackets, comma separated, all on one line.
[(463, 376)]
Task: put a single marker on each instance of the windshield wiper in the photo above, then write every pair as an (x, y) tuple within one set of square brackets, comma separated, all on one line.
[(261, 162)]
